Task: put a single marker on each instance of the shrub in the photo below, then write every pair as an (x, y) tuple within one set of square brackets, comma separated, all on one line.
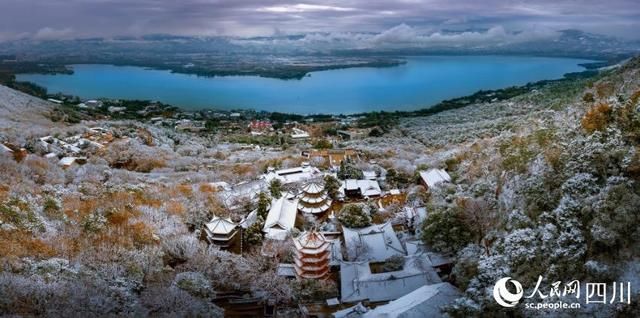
[(349, 171), (185, 189), (376, 132), (23, 244), (332, 186), (312, 289), (516, 154), (588, 98), (206, 188), (175, 208), (323, 144), (50, 208), (398, 179), (141, 233), (604, 89), (452, 163), (597, 118), (354, 216), (393, 263), (445, 230)]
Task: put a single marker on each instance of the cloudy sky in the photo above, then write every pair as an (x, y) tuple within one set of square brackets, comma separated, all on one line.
[(49, 19)]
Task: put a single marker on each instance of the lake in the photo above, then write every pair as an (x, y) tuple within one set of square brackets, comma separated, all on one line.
[(420, 83)]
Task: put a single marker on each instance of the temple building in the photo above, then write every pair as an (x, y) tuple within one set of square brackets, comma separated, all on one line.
[(359, 283), (314, 199), (357, 189), (220, 231), (312, 255), (281, 218), (434, 177)]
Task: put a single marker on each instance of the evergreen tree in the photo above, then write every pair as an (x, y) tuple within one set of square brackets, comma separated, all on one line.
[(332, 186), (349, 171), (275, 187), (263, 205), (253, 235), (446, 231), (354, 216)]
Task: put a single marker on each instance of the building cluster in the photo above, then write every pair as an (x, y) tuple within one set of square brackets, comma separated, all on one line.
[(381, 268), (74, 149), (332, 157), (64, 151), (259, 127), (189, 125)]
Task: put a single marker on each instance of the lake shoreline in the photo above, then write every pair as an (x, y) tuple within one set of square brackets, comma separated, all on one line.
[(422, 81)]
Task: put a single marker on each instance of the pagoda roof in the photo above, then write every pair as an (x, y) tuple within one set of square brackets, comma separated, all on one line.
[(311, 240), (313, 188), (315, 209), (220, 226), (314, 199)]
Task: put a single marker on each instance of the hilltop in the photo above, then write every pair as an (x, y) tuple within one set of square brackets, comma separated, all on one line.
[(22, 115)]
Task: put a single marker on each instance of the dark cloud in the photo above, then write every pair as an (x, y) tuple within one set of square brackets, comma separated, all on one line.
[(88, 18)]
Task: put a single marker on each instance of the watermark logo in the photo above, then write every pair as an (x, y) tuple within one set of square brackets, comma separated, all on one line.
[(559, 295), (503, 296)]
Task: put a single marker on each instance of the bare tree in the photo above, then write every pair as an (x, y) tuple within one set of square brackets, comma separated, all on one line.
[(480, 217)]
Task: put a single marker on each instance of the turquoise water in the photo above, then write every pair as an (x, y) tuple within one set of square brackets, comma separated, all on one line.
[(422, 82)]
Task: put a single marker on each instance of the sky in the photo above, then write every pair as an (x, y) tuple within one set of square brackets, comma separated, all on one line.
[(60, 19)]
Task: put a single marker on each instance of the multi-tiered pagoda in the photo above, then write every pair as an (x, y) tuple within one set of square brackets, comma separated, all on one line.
[(314, 199), (220, 231), (312, 255)]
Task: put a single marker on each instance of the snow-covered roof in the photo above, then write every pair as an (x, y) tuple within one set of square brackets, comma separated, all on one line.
[(248, 220), (375, 243), (67, 161), (4, 148), (433, 177), (315, 210), (351, 184), (53, 100), (220, 185), (358, 283), (293, 175), (311, 242), (313, 188), (416, 247), (333, 301), (71, 148), (220, 226), (299, 134), (370, 175), (354, 311), (286, 270), (336, 252), (99, 129), (314, 199), (368, 188), (415, 215), (248, 190), (281, 217), (425, 301)]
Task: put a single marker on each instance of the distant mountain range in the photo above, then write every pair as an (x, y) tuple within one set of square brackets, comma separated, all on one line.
[(294, 56), (400, 40)]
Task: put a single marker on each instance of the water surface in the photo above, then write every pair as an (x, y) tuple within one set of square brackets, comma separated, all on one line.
[(422, 82)]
